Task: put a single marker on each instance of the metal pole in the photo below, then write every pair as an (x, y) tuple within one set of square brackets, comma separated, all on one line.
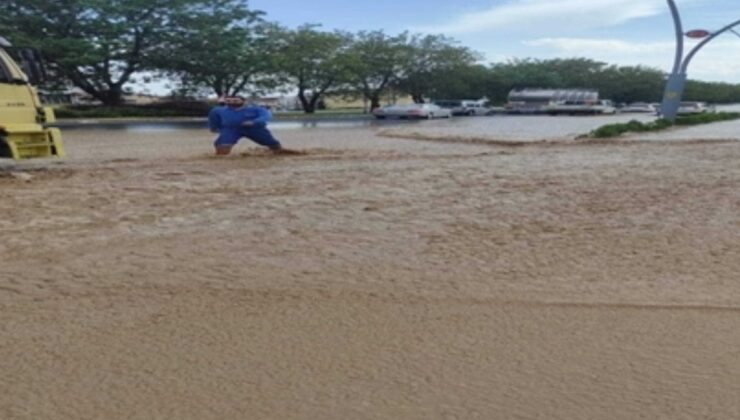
[(677, 79), (706, 41), (679, 35)]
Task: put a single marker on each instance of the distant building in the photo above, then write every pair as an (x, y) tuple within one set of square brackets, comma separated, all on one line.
[(534, 101)]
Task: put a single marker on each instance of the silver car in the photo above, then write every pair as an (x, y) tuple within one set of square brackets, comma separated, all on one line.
[(412, 111)]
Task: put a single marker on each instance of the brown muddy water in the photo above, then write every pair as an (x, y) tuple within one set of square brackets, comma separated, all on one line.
[(372, 278)]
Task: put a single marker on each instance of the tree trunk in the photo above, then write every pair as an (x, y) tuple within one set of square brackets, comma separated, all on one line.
[(315, 102), (374, 102), (309, 107), (112, 97)]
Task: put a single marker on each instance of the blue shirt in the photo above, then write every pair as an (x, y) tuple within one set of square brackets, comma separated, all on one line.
[(224, 117)]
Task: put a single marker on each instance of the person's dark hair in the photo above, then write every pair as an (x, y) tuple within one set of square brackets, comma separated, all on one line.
[(237, 97)]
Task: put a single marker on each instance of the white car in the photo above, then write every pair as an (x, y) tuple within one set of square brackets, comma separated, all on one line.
[(464, 107), (412, 111), (639, 107), (688, 108)]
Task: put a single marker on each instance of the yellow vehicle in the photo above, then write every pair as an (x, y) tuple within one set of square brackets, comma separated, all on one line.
[(23, 121)]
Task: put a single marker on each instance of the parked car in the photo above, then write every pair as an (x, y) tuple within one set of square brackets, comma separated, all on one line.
[(412, 111), (463, 107), (688, 108), (639, 107)]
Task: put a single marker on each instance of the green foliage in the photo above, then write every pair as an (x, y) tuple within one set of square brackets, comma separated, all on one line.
[(707, 118), (634, 126), (224, 47), (619, 83), (432, 62), (463, 82), (374, 61), (221, 46), (311, 61), (98, 45), (718, 93)]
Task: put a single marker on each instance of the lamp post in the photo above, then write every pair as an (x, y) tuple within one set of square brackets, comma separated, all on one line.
[(677, 79)]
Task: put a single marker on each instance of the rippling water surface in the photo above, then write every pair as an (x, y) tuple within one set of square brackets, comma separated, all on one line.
[(503, 127)]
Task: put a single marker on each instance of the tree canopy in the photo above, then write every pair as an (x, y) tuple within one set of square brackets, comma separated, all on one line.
[(98, 45), (375, 60), (429, 63), (311, 61), (221, 46), (225, 47)]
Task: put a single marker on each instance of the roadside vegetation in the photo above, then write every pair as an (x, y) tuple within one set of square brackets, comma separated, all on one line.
[(634, 126), (201, 48)]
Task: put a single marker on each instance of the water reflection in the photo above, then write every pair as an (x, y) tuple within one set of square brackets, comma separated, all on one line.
[(168, 126), (500, 126)]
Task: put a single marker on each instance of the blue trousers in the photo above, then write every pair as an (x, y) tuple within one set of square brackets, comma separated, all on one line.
[(261, 135)]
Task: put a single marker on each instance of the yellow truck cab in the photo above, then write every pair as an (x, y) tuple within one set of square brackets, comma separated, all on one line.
[(23, 121)]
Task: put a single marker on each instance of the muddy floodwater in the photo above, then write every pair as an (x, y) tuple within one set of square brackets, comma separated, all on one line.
[(374, 277)]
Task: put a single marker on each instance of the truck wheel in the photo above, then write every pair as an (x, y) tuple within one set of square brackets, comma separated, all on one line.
[(4, 149)]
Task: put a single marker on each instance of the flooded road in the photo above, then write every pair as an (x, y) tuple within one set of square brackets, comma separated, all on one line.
[(497, 128), (513, 128), (201, 124), (371, 278), (503, 126)]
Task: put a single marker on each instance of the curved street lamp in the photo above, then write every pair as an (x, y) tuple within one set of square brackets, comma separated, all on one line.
[(677, 79)]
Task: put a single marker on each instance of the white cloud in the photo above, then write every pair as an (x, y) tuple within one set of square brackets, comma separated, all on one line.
[(719, 60), (531, 14), (572, 28), (598, 46)]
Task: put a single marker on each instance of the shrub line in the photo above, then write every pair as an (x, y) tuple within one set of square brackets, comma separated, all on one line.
[(634, 126)]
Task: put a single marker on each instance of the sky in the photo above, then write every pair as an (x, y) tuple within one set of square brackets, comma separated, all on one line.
[(625, 32)]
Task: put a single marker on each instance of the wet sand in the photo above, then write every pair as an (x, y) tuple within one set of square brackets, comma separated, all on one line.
[(373, 278)]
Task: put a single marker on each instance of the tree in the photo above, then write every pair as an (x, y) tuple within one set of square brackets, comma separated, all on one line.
[(473, 81), (431, 60), (374, 61), (723, 93), (311, 61), (99, 45), (630, 84), (224, 47)]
